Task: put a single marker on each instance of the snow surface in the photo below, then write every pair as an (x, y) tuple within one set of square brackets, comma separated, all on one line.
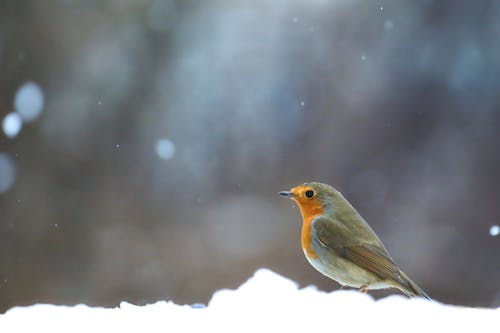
[(266, 302)]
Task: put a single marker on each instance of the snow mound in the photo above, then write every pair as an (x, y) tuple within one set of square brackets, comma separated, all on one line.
[(265, 302)]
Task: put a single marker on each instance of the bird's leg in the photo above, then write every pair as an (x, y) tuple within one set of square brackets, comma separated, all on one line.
[(363, 289)]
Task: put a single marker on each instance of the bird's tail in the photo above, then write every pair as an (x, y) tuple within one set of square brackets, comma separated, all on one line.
[(410, 288)]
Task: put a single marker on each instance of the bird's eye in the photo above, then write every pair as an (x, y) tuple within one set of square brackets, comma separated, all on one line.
[(309, 193)]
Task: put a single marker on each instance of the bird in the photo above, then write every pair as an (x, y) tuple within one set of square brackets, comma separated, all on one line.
[(341, 245)]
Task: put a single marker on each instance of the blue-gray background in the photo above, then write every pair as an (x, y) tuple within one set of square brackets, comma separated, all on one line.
[(168, 126)]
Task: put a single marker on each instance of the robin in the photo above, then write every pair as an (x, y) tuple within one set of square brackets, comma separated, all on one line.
[(339, 243)]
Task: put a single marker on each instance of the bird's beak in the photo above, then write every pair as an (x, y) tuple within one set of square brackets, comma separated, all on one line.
[(287, 194)]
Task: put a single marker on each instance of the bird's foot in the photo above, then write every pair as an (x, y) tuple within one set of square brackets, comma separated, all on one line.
[(363, 289)]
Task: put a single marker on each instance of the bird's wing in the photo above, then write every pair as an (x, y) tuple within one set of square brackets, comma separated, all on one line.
[(335, 236)]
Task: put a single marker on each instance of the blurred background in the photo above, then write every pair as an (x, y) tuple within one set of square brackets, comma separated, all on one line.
[(143, 143)]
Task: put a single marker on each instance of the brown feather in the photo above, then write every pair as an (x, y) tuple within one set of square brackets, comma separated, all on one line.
[(369, 256)]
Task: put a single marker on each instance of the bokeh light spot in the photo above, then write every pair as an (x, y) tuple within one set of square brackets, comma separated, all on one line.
[(29, 101), (388, 25), (495, 230), (12, 124), (165, 149)]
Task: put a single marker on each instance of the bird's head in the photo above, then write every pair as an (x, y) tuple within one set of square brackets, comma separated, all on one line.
[(313, 198)]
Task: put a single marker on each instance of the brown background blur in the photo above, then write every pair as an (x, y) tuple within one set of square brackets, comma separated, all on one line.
[(395, 104)]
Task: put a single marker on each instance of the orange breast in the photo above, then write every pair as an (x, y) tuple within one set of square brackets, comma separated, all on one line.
[(306, 238), (309, 213)]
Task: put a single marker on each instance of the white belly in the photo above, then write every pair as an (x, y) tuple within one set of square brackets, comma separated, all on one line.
[(341, 270)]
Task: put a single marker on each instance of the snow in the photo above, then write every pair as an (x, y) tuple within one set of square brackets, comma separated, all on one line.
[(29, 101), (266, 302), (12, 124)]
